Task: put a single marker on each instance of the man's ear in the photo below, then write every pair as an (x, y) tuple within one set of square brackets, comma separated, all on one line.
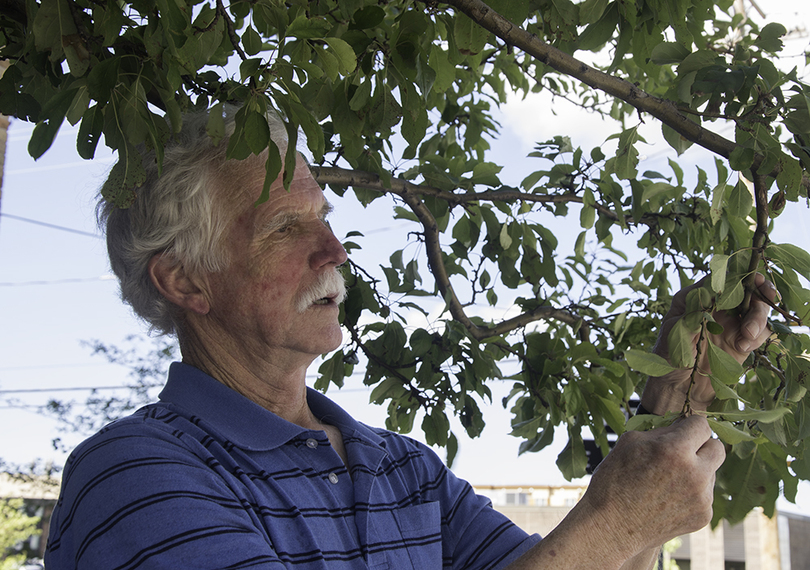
[(176, 285)]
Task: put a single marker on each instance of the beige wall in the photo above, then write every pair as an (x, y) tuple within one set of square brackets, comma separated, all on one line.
[(756, 541)]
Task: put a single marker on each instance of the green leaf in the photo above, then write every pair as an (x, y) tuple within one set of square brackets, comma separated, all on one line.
[(729, 433), (724, 367), (90, 132), (102, 79), (719, 269), (439, 61), (251, 41), (790, 175), (722, 391), (740, 201), (682, 344), (504, 237), (52, 117), (791, 256), (733, 294), (347, 61), (388, 388), (126, 175), (765, 416), (677, 141), (741, 158), (52, 24), (718, 200), (368, 17), (770, 37), (667, 53), (587, 217), (515, 11), (696, 61), (257, 132), (308, 28), (215, 128), (644, 422), (272, 170), (647, 362), (626, 158), (470, 37), (572, 459)]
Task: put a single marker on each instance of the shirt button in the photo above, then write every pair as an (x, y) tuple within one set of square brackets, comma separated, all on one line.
[(333, 478), (312, 443)]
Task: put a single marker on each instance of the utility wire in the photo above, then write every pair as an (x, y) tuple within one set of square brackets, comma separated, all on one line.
[(52, 226), (58, 281)]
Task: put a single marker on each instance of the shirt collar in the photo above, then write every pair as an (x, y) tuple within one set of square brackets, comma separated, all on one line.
[(243, 422)]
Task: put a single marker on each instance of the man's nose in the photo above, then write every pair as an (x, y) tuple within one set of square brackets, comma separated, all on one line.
[(330, 251)]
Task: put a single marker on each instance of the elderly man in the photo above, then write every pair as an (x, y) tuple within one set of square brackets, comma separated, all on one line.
[(240, 465)]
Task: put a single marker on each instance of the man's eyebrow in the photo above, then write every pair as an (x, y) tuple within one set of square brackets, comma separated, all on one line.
[(284, 218), (277, 222)]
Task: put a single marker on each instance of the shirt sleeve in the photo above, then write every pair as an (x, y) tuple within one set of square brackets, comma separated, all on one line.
[(136, 500), (475, 535)]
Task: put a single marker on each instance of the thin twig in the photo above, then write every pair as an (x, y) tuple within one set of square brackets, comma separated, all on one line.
[(687, 403), (231, 31), (760, 239)]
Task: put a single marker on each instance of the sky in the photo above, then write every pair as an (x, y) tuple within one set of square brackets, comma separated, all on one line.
[(56, 291)]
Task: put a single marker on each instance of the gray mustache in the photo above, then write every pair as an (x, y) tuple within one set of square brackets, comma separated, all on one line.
[(329, 284)]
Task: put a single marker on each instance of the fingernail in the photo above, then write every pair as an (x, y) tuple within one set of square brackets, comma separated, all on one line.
[(753, 330), (744, 346)]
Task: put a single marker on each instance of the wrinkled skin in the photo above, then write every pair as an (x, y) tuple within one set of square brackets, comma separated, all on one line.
[(740, 336)]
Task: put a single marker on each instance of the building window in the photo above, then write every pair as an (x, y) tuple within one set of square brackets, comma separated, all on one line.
[(517, 498)]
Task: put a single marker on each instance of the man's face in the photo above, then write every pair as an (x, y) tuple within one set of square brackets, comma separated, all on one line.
[(281, 288)]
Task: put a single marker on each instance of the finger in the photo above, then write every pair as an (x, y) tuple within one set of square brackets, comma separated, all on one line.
[(713, 453), (694, 430), (766, 288), (753, 329)]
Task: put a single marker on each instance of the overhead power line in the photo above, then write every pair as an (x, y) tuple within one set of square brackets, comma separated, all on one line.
[(59, 281), (52, 226)]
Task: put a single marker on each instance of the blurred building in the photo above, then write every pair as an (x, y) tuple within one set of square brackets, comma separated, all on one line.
[(758, 543)]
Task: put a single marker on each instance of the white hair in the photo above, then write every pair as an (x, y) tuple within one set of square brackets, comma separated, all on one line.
[(174, 214)]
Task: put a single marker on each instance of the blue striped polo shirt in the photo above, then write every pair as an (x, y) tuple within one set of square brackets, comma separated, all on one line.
[(207, 479)]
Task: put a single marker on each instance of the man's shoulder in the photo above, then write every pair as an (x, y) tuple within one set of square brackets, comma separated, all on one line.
[(142, 433)]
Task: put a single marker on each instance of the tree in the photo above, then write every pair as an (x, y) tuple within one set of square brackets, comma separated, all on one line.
[(15, 527), (397, 99)]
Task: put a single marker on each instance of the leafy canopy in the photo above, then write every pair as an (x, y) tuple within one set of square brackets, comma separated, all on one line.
[(374, 83)]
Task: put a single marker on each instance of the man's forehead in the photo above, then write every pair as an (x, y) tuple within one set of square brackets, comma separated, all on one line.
[(243, 181)]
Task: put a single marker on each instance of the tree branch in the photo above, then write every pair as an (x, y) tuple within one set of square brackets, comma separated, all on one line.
[(231, 31), (357, 178), (410, 194), (760, 239), (665, 111)]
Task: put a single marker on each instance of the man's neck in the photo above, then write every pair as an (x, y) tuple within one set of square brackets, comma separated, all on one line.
[(287, 398), (275, 382)]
